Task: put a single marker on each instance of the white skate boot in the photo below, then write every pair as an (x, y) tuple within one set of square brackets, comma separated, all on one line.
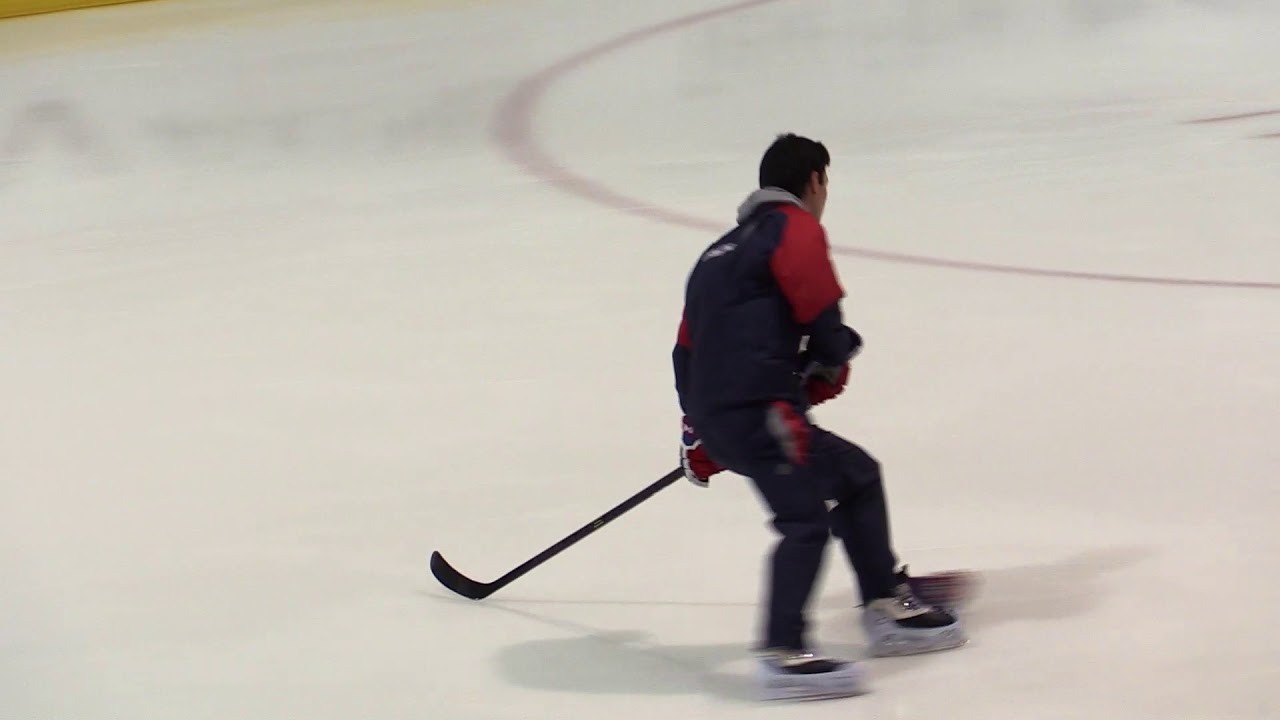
[(903, 625), (800, 675)]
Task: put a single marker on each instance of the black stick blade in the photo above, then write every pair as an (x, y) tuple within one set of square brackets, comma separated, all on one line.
[(456, 581)]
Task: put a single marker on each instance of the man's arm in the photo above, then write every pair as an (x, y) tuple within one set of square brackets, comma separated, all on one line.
[(802, 267)]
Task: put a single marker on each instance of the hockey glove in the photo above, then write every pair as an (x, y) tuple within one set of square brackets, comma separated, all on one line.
[(824, 383), (698, 466)]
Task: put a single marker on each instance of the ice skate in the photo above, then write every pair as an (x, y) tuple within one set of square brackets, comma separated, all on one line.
[(904, 625), (800, 675)]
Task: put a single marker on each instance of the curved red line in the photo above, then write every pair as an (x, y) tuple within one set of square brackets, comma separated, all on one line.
[(515, 134)]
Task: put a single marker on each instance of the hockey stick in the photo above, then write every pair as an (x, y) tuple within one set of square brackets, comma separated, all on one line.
[(468, 588)]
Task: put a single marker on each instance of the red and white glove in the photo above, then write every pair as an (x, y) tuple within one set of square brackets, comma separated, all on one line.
[(698, 466), (824, 383)]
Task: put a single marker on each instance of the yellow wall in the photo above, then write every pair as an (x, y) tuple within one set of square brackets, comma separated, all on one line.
[(15, 8)]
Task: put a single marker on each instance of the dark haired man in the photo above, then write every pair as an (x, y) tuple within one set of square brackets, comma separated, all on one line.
[(762, 339)]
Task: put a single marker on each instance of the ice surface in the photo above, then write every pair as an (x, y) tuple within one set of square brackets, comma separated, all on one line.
[(279, 316)]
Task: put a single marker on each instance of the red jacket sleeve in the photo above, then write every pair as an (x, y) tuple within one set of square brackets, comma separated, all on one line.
[(802, 267)]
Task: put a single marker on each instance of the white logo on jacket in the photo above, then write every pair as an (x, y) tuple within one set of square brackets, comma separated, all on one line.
[(714, 253)]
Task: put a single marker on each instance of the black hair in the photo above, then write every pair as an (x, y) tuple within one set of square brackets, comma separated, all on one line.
[(790, 161)]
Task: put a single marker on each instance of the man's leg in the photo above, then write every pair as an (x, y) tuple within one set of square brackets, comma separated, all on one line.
[(896, 621), (800, 517), (860, 517), (788, 665)]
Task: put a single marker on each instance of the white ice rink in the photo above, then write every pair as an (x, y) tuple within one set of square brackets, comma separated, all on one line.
[(291, 297)]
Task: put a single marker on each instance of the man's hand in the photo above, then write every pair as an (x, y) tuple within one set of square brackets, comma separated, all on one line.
[(698, 466)]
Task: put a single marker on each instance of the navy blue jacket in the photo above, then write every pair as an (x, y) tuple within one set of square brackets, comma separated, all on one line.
[(752, 298)]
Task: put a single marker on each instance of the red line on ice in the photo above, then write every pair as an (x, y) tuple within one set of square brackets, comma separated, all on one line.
[(514, 133)]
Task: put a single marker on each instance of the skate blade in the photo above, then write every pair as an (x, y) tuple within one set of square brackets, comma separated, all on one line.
[(805, 694), (845, 684), (947, 640)]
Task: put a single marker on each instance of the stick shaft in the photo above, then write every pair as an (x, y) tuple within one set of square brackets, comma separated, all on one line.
[(467, 587)]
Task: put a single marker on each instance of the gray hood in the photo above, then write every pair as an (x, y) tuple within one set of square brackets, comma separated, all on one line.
[(763, 196)]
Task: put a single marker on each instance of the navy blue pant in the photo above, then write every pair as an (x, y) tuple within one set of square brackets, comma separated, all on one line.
[(797, 494)]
